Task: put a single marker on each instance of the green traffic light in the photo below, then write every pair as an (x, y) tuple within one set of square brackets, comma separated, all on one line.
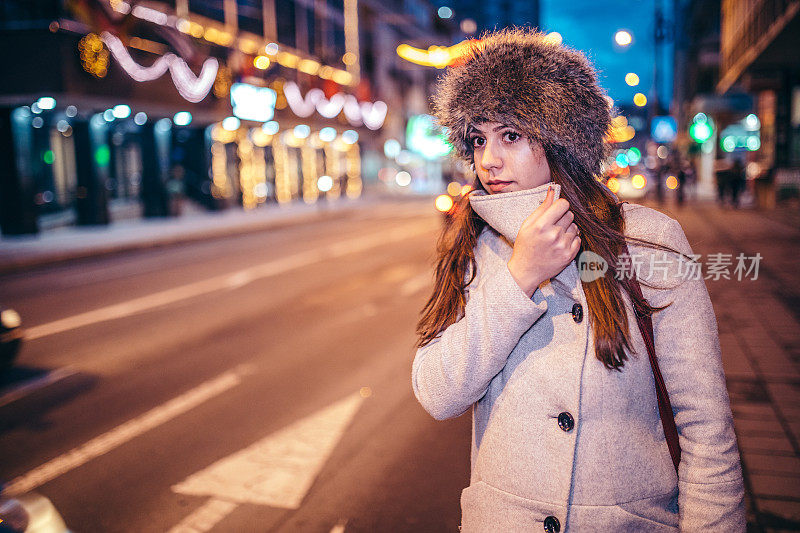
[(700, 131)]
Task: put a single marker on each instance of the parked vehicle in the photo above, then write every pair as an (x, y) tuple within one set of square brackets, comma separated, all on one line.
[(30, 513)]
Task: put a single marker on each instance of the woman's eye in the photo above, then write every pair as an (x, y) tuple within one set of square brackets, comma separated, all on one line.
[(477, 141), (512, 136)]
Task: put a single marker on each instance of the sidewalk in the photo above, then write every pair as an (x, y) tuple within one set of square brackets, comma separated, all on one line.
[(759, 327), (18, 253)]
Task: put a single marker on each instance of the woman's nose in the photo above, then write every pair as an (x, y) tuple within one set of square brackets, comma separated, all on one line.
[(490, 158)]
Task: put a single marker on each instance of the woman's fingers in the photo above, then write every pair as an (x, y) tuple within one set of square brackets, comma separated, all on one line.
[(566, 220), (554, 212), (572, 230)]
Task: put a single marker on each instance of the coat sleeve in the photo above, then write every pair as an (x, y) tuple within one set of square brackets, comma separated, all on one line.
[(454, 370), (711, 490)]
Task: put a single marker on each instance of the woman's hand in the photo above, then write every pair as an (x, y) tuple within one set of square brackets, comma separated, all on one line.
[(547, 241)]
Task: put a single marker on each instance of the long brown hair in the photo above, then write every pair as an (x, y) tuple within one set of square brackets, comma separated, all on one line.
[(599, 218)]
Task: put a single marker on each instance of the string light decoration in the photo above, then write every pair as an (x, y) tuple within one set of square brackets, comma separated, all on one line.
[(283, 191), (353, 187), (223, 82), (308, 155), (192, 88), (370, 114), (94, 55)]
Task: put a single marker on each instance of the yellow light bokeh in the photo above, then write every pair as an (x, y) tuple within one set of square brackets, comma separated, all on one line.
[(638, 181), (672, 182), (623, 38), (342, 77), (261, 62), (454, 188), (619, 122), (308, 66), (553, 38), (640, 100), (434, 56), (631, 79), (613, 185), (248, 47), (444, 203), (287, 59)]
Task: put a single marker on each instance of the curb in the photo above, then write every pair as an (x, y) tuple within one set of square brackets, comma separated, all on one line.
[(22, 260)]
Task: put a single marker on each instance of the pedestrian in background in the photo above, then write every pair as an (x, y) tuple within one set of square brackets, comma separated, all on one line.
[(723, 176), (566, 427), (737, 182)]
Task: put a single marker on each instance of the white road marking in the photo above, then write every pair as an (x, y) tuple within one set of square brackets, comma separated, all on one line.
[(205, 517), (339, 528), (228, 281), (278, 470), (27, 387), (121, 434)]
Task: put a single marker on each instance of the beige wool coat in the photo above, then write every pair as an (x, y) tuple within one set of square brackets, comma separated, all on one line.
[(559, 442)]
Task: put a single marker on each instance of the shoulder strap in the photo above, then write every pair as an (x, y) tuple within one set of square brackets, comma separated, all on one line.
[(664, 406)]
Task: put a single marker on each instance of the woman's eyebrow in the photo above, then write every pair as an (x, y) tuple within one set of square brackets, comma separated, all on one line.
[(500, 127)]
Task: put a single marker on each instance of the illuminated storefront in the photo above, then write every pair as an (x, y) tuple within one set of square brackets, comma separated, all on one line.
[(139, 110)]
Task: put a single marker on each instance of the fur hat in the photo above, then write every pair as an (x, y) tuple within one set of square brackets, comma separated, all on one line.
[(547, 91)]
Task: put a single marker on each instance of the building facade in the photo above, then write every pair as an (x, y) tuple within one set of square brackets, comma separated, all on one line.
[(112, 110), (759, 54)]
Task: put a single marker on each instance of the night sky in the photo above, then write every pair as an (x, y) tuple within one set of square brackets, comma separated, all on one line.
[(589, 26)]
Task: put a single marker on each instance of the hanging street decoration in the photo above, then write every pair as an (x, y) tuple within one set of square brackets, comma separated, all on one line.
[(192, 88), (371, 115), (94, 55)]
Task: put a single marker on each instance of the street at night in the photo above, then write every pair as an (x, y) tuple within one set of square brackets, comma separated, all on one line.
[(286, 326), (338, 266), (296, 344)]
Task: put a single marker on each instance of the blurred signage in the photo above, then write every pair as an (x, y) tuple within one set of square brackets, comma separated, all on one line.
[(192, 88), (370, 114), (737, 138), (663, 129), (253, 103), (426, 138)]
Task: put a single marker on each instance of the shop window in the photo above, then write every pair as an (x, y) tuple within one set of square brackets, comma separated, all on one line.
[(42, 11), (336, 4), (285, 19), (311, 25), (251, 16), (212, 9)]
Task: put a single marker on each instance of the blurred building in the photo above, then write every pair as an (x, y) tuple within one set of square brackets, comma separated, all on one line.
[(113, 110), (759, 53), (706, 117), (498, 14)]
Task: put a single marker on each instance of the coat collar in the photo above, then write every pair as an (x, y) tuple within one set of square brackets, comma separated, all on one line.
[(505, 213)]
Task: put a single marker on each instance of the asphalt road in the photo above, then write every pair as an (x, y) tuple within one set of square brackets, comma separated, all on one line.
[(253, 383)]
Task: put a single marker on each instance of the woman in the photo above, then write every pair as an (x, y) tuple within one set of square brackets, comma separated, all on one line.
[(566, 428)]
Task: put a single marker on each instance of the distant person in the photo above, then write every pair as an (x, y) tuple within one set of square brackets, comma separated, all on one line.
[(553, 368), (682, 175), (723, 176), (737, 183), (661, 176)]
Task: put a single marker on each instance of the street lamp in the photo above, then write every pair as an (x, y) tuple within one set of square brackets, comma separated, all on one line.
[(623, 38), (631, 79)]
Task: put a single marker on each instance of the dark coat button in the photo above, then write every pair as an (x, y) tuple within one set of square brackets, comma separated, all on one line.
[(551, 524), (577, 312), (565, 421)]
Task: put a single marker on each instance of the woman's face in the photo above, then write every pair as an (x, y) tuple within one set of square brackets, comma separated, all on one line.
[(505, 160)]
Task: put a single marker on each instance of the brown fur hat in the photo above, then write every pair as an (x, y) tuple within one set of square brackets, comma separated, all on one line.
[(548, 92)]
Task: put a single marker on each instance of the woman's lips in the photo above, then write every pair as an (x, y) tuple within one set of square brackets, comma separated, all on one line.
[(497, 186)]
